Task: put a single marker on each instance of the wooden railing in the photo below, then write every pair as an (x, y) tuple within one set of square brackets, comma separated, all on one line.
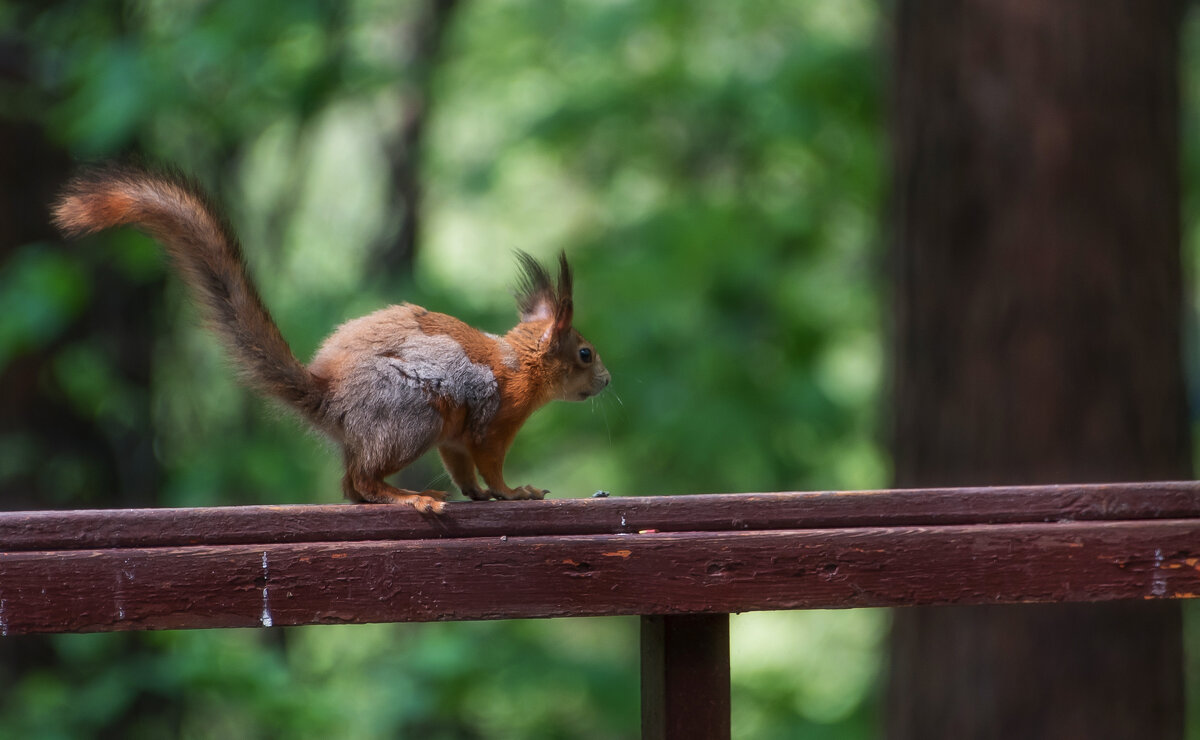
[(682, 563)]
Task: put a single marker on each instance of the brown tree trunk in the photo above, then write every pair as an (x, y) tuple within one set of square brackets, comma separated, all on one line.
[(112, 464), (426, 34), (42, 432), (1038, 298)]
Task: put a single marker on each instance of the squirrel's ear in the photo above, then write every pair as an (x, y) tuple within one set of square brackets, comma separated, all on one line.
[(536, 299)]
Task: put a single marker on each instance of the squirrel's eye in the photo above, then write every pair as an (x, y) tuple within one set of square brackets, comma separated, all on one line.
[(585, 355)]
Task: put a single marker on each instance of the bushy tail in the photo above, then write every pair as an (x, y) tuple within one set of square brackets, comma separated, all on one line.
[(178, 214)]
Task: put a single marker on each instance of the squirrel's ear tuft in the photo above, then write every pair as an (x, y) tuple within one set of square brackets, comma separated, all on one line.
[(535, 292), (564, 303), (538, 299)]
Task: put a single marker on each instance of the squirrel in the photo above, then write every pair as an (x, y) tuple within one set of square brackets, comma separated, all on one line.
[(387, 386)]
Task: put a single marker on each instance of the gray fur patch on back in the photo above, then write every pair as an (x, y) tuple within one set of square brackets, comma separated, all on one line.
[(390, 374), (438, 365)]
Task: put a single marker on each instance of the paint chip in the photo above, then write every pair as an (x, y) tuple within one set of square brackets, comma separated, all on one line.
[(266, 618)]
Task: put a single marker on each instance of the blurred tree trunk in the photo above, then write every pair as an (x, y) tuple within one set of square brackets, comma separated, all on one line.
[(1038, 301), (54, 453), (110, 464), (426, 33)]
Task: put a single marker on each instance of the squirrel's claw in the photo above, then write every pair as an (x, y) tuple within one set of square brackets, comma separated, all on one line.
[(476, 494), (428, 505), (529, 492)]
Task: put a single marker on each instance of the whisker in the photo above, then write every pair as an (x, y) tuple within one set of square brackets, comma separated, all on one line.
[(442, 477), (607, 426)]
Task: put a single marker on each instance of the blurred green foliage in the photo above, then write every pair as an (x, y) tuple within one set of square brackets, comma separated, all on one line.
[(714, 170)]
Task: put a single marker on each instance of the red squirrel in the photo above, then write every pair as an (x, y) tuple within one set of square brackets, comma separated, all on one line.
[(387, 386)]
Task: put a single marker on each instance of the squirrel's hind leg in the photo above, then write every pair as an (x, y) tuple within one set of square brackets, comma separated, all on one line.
[(362, 487), (385, 437), (364, 483)]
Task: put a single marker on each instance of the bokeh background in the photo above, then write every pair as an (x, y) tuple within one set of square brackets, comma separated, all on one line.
[(716, 172)]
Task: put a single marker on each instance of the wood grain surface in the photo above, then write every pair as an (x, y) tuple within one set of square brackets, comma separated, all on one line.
[(407, 577)]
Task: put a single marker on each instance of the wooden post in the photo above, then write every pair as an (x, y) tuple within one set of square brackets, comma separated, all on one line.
[(685, 677)]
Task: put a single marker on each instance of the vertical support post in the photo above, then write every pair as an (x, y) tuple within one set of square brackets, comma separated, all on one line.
[(685, 677)]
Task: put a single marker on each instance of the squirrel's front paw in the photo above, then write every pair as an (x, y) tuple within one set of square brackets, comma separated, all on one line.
[(519, 493), (533, 493), (476, 494)]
